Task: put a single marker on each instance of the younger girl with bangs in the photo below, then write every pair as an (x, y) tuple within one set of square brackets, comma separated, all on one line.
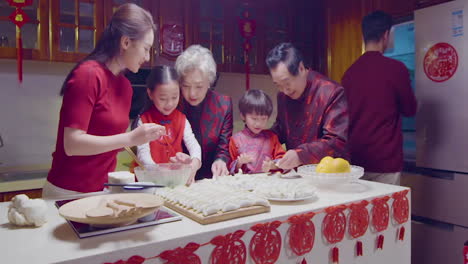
[(164, 93)]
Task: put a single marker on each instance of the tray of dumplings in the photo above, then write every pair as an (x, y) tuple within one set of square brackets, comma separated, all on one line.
[(273, 188), (208, 203)]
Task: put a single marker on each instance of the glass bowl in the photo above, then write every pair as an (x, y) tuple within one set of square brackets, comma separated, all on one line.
[(329, 179), (167, 174)]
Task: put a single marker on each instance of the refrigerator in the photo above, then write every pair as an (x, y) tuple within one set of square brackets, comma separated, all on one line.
[(438, 176)]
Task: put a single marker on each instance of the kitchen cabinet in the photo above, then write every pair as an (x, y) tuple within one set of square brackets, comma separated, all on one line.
[(218, 29), (76, 25), (34, 34), (33, 194)]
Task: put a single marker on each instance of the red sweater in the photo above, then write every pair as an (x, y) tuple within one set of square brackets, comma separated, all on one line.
[(378, 90), (97, 102)]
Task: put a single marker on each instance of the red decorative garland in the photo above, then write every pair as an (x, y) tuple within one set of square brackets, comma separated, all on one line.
[(359, 250), (229, 249), (301, 233), (334, 224), (400, 208), (358, 223), (380, 217), (358, 219), (380, 213), (333, 228), (265, 245), (180, 255), (132, 260)]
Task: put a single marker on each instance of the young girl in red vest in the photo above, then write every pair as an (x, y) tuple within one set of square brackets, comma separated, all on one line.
[(163, 90)]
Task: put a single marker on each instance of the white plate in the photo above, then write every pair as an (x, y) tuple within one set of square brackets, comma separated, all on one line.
[(292, 199)]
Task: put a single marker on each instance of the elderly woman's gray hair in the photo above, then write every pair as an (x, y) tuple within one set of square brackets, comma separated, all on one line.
[(199, 58)]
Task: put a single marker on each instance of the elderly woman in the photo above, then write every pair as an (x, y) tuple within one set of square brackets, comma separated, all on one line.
[(209, 112)]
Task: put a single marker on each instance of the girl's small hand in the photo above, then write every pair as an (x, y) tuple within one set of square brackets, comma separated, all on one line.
[(268, 165), (244, 158), (195, 164), (146, 133), (181, 158)]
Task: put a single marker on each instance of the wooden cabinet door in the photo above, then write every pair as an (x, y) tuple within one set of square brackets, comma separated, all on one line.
[(212, 25), (76, 25), (34, 34)]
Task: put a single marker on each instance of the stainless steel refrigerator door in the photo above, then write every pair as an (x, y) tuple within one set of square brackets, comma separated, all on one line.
[(442, 117)]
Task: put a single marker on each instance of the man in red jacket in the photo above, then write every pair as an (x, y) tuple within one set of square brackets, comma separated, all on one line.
[(378, 90), (312, 117)]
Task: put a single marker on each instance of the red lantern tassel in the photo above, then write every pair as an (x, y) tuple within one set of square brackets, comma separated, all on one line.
[(402, 233), (335, 255), (304, 261), (19, 54), (380, 241), (359, 248)]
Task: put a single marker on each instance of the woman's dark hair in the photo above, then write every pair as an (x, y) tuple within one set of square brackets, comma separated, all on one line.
[(128, 20), (287, 54), (374, 25), (255, 102), (161, 75)]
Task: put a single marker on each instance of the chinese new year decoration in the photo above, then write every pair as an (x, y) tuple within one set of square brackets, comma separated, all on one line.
[(358, 223), (247, 29), (265, 243), (19, 18), (400, 208), (380, 218), (334, 226), (301, 233)]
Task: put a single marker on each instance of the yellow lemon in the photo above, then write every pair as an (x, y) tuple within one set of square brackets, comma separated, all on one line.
[(341, 165), (331, 165)]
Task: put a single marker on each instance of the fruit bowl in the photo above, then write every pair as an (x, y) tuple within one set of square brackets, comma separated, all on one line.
[(167, 174), (328, 179)]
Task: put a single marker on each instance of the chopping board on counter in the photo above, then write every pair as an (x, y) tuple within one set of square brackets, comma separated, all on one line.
[(219, 216)]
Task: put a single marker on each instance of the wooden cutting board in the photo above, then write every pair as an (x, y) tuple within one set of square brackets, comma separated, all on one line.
[(218, 217)]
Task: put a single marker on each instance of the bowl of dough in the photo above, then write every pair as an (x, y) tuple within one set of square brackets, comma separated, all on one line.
[(330, 172), (167, 174)]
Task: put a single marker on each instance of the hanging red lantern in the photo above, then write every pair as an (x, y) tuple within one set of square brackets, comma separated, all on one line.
[(20, 3), (247, 27), (19, 18)]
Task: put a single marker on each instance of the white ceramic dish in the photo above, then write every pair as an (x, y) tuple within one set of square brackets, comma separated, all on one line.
[(308, 172)]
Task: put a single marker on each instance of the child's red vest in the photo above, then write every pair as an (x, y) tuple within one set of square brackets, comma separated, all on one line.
[(166, 146)]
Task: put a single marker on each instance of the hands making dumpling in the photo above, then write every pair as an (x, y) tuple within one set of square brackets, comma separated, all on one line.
[(186, 159)]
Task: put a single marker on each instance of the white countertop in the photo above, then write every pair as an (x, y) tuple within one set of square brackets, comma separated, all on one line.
[(56, 241)]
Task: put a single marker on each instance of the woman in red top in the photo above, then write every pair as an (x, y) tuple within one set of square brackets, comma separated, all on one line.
[(96, 105)]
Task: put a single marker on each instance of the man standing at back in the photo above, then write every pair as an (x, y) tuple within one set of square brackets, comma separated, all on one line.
[(378, 90)]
